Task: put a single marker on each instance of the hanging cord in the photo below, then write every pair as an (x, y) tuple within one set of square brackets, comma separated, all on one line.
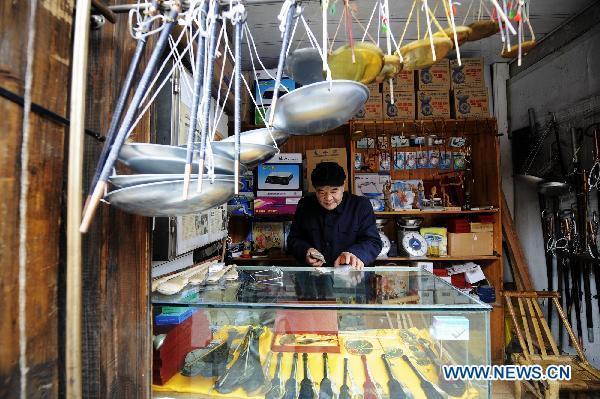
[(366, 30), (332, 41), (450, 15), (348, 26), (467, 13), (169, 57), (388, 34), (505, 10), (428, 19), (412, 9), (504, 17), (315, 44)]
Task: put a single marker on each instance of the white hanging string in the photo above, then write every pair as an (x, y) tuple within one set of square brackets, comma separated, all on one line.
[(426, 10), (369, 23), (450, 11), (170, 57), (322, 54), (504, 16), (467, 13), (506, 26)]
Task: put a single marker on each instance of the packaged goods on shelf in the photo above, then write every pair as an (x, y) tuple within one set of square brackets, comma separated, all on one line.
[(433, 104), (469, 75), (471, 103), (435, 77)]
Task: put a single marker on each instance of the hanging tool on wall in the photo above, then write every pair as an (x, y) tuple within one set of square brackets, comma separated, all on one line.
[(582, 265)]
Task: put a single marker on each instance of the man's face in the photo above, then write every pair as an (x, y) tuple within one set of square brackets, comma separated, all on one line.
[(329, 197)]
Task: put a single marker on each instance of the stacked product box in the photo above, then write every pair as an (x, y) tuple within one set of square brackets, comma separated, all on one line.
[(373, 108), (278, 184), (264, 90), (403, 95), (433, 95), (469, 94)]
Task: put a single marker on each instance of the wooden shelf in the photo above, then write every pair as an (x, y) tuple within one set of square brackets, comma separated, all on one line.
[(439, 259), (435, 212), (421, 121)]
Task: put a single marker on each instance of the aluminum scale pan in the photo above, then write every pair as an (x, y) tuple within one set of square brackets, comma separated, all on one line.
[(260, 136), (164, 198), (250, 154), (316, 109), (122, 181), (146, 158), (305, 66)]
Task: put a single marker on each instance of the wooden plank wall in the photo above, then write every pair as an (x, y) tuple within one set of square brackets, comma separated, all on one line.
[(116, 320), (36, 347)]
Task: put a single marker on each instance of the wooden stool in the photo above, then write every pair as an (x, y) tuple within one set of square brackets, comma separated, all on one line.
[(539, 347)]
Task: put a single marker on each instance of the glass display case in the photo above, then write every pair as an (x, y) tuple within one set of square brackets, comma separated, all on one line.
[(295, 332)]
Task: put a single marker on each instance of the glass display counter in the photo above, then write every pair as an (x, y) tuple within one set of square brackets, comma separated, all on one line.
[(294, 332)]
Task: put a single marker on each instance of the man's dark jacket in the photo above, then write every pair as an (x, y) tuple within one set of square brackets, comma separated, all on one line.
[(350, 227)]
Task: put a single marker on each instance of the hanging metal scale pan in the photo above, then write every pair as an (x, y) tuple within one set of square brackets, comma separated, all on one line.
[(462, 34), (514, 50), (319, 107), (553, 188), (368, 61), (250, 154), (122, 181), (305, 66), (418, 55), (148, 158), (482, 29), (261, 136), (164, 198)]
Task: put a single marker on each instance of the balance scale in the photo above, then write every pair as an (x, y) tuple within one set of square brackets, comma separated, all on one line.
[(410, 241)]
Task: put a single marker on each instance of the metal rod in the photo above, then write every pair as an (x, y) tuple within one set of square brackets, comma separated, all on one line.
[(239, 21), (206, 90), (124, 8), (198, 90), (98, 191), (104, 10), (282, 54), (74, 188), (119, 107)]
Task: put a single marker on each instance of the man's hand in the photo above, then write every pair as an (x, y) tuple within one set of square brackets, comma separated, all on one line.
[(347, 258), (314, 258)]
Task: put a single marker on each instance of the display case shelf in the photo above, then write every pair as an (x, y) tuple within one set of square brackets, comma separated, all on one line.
[(440, 258), (413, 212), (397, 322)]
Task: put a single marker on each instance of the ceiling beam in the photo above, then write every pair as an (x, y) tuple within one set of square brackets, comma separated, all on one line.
[(558, 38)]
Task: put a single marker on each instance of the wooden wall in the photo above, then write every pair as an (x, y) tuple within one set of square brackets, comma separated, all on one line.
[(116, 319), (30, 323)]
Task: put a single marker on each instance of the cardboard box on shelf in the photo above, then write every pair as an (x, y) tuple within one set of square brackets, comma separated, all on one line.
[(435, 77), (481, 227), (404, 81), (469, 75), (373, 108), (337, 155), (470, 244), (283, 172), (433, 104), (444, 297), (275, 205), (471, 103), (403, 107)]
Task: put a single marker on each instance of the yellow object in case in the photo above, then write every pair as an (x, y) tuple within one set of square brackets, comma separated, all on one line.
[(381, 340)]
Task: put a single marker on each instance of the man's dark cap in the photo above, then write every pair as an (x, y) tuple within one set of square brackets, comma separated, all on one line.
[(328, 174)]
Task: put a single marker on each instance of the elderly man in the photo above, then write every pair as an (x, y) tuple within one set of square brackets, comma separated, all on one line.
[(332, 227)]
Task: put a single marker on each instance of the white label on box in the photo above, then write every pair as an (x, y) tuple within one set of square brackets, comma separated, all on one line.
[(457, 269), (474, 275), (426, 266), (426, 297), (279, 193), (286, 158), (450, 328), (292, 201)]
